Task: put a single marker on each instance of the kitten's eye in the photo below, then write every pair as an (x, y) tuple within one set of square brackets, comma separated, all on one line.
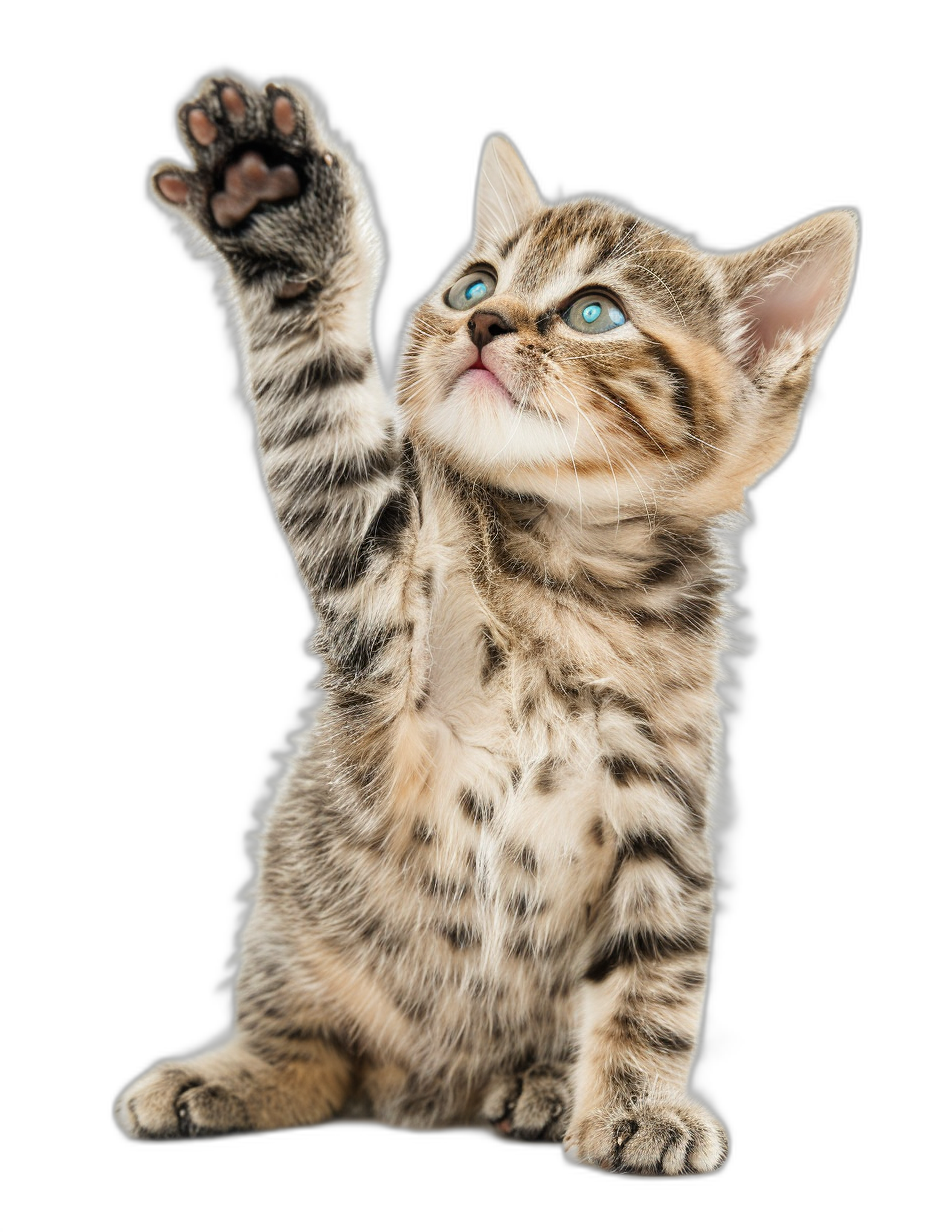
[(594, 314), (472, 289)]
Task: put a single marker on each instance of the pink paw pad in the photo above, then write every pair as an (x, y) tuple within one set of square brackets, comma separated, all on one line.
[(232, 103), (202, 129), (284, 115), (248, 183), (173, 188)]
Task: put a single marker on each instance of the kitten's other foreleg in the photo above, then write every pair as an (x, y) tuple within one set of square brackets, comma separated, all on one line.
[(642, 1000)]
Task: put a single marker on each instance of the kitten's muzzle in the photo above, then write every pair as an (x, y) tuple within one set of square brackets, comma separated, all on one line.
[(483, 327)]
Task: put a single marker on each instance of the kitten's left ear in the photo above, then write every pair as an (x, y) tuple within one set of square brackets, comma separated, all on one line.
[(789, 292), (506, 192)]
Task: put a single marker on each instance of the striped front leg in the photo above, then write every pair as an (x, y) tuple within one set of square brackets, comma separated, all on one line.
[(642, 999)]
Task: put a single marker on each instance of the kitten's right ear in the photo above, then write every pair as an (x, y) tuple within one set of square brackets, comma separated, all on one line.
[(506, 192)]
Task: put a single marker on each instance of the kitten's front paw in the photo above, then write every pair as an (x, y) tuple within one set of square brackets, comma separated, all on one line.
[(264, 187), (667, 1138), (532, 1105)]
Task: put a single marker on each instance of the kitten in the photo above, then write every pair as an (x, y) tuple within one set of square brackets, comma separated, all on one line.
[(485, 886)]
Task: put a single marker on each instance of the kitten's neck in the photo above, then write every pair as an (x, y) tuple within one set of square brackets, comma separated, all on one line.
[(590, 551)]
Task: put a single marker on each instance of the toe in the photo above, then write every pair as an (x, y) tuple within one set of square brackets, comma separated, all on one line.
[(201, 127), (284, 115), (233, 104), (173, 187)]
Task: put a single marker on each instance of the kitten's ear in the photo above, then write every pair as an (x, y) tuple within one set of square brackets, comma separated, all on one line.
[(506, 193), (789, 292)]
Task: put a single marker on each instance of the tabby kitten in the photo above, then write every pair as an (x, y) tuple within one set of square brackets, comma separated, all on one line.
[(485, 887)]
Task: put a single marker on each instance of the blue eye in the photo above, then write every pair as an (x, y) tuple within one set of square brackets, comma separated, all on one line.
[(472, 289), (594, 313)]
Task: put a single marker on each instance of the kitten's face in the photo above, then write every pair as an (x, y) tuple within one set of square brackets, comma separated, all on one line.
[(587, 356), (594, 370)]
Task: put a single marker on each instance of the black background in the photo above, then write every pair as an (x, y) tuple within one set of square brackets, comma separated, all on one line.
[(197, 658)]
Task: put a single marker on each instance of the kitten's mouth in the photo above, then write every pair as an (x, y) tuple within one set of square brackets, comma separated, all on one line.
[(479, 373)]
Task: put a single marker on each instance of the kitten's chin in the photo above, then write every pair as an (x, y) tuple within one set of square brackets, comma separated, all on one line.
[(482, 379), (479, 428), (463, 409)]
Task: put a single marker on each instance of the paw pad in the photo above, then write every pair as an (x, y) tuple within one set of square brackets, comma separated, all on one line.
[(203, 130), (248, 183), (284, 115)]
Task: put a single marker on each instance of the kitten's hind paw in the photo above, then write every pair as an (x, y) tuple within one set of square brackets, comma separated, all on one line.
[(233, 1090), (176, 1101), (531, 1105)]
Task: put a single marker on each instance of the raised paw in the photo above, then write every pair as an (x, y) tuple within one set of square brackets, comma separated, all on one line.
[(264, 187), (247, 148), (531, 1105), (662, 1138)]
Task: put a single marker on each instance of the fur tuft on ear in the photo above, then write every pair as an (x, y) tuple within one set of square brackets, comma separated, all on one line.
[(506, 192), (789, 292)]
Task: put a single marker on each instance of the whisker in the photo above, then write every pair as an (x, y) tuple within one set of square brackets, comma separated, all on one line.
[(618, 504), (620, 406), (571, 452)]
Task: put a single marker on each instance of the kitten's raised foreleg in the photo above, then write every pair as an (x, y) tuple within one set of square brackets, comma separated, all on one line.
[(288, 215)]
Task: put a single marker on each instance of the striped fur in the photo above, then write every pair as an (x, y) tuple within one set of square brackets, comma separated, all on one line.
[(485, 887)]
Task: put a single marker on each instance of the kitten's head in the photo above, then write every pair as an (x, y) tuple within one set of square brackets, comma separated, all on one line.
[(587, 356)]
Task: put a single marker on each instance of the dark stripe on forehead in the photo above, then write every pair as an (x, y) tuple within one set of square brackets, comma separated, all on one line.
[(506, 247), (558, 231), (564, 226), (609, 242), (542, 222)]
